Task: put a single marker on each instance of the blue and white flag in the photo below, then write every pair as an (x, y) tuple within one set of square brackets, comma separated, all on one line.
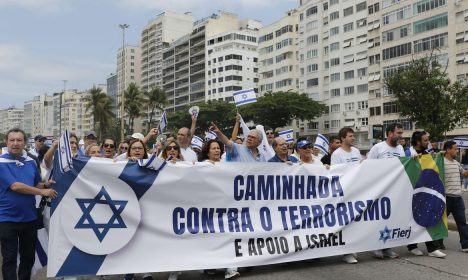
[(65, 153), (287, 135), (245, 96), (264, 148), (162, 123), (153, 162), (322, 143), (197, 142), (462, 142), (210, 135)]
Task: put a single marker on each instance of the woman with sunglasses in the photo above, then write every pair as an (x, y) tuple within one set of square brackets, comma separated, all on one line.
[(136, 150), (108, 148), (172, 149)]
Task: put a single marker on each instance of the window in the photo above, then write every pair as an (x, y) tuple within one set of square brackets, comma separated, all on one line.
[(390, 108), (396, 51), (348, 27), (311, 25), (375, 111), (349, 75), (265, 50), (394, 69), (427, 5), (283, 30), (325, 50), (361, 6), (326, 124), (334, 77), (334, 31), (335, 108), (312, 53), (312, 68), (312, 82), (363, 121), (266, 37), (335, 124), (373, 8), (396, 15), (363, 105), (397, 33), (348, 11), (427, 24), (429, 43), (325, 6), (334, 46), (334, 2), (349, 106), (348, 58), (335, 92), (407, 125), (312, 39), (349, 90), (335, 61), (313, 125), (361, 23), (362, 88), (334, 15), (326, 64), (311, 11)]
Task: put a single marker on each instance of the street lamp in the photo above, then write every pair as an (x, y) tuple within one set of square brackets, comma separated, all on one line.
[(122, 88), (60, 106)]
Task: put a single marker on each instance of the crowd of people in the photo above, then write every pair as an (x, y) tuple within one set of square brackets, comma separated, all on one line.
[(25, 173)]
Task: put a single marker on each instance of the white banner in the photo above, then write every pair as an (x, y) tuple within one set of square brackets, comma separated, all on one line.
[(117, 218)]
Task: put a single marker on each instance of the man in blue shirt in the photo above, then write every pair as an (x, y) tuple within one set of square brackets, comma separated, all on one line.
[(281, 151), (19, 183)]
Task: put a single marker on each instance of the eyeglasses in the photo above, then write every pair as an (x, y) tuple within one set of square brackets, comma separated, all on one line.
[(109, 146), (136, 148), (306, 147), (175, 148), (124, 148)]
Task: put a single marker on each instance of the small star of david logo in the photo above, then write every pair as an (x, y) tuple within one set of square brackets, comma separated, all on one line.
[(244, 96), (385, 234), (101, 229)]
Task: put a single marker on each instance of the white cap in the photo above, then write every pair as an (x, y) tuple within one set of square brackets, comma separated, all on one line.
[(138, 135)]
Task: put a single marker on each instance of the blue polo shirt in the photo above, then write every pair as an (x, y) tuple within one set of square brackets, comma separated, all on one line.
[(277, 159), (14, 206)]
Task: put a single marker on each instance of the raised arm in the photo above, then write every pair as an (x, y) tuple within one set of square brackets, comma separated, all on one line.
[(152, 133), (193, 126), (223, 138), (49, 155), (235, 130)]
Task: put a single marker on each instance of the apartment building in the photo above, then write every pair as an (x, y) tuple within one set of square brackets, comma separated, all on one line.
[(399, 31), (74, 115), (39, 115), (333, 65), (128, 69), (11, 118)]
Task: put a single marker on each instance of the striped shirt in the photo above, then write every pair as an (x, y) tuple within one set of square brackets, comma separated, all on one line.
[(453, 171)]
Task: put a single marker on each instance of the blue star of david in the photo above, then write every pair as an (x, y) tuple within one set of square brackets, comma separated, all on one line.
[(101, 229), (384, 234), (244, 96)]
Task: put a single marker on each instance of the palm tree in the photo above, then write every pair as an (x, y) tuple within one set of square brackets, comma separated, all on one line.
[(155, 99), (133, 103), (100, 106)]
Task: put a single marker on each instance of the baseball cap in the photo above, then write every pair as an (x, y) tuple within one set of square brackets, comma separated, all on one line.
[(39, 137), (303, 143), (138, 135), (90, 134)]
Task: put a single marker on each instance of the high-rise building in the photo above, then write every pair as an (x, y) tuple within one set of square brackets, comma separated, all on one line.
[(112, 92), (155, 37), (333, 65), (400, 31), (278, 50), (39, 115), (11, 118), (128, 69), (185, 60), (74, 115)]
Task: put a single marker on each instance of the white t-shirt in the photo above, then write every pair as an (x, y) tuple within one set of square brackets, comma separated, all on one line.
[(342, 156), (383, 150), (188, 154)]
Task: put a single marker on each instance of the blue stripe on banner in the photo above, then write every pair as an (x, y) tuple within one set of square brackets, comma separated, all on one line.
[(41, 254), (138, 178), (80, 263), (323, 138), (148, 163), (65, 179), (285, 132), (321, 148), (251, 100), (68, 151), (243, 91)]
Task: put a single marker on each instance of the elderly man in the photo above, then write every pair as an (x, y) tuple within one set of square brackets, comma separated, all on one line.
[(239, 152), (19, 183), (281, 151)]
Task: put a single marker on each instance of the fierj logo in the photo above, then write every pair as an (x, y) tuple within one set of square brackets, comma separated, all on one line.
[(102, 215), (389, 234)]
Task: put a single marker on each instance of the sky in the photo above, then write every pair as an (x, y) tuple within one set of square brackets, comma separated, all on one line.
[(43, 42)]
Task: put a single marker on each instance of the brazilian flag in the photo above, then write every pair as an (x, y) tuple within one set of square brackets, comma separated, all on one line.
[(427, 177)]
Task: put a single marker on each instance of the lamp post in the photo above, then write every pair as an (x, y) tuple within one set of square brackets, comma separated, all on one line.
[(122, 87), (60, 106)]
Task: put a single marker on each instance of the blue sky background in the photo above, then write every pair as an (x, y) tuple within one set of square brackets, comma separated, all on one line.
[(43, 42)]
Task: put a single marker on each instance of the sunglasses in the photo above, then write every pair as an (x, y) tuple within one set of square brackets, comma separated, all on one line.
[(175, 148), (124, 148), (109, 146), (306, 147)]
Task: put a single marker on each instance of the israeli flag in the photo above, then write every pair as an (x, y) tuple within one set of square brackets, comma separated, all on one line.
[(265, 149), (154, 163), (162, 123), (462, 142), (210, 135), (287, 135), (65, 153), (245, 96), (197, 142), (322, 143)]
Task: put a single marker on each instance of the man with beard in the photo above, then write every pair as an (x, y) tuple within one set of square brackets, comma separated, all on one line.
[(388, 149)]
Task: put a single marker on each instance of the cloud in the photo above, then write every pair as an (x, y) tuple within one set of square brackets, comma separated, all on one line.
[(36, 5), (24, 73)]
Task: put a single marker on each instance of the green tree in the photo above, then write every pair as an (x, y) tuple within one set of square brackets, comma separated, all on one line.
[(425, 95), (278, 109), (155, 99), (133, 104), (100, 106)]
